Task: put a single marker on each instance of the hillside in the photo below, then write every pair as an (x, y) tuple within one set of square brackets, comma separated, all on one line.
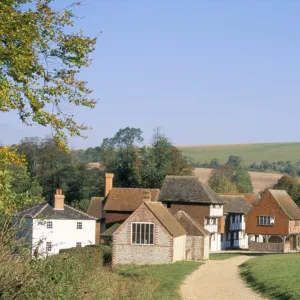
[(259, 180), (272, 152)]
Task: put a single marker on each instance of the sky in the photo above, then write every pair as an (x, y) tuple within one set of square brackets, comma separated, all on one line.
[(205, 72)]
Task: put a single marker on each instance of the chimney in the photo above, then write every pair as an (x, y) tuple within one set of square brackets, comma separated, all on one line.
[(108, 183), (146, 196), (58, 200)]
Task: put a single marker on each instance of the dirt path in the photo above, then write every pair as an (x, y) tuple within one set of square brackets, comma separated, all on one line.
[(218, 280)]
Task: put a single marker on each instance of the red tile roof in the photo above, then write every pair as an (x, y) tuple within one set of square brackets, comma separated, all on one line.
[(127, 199)]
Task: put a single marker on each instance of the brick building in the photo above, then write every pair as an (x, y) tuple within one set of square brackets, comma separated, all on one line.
[(151, 235), (197, 238), (273, 223), (199, 201)]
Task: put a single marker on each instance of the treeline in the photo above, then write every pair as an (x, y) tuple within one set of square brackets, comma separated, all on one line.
[(284, 167), (48, 167)]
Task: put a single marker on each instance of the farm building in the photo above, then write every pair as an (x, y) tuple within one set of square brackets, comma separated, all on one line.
[(235, 210), (151, 235), (198, 200), (273, 223), (197, 238)]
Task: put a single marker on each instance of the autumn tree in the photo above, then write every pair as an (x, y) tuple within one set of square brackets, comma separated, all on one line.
[(40, 64)]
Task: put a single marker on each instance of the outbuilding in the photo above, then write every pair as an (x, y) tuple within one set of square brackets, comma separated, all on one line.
[(150, 235), (197, 239)]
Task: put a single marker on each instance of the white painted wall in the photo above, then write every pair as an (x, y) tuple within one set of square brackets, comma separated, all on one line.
[(215, 242), (216, 210), (63, 235), (206, 247), (179, 252)]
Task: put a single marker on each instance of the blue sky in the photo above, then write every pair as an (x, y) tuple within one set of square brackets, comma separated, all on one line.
[(206, 72)]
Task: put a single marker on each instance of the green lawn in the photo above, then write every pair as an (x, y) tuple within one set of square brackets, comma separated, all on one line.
[(275, 276), (159, 282), (249, 152), (222, 256)]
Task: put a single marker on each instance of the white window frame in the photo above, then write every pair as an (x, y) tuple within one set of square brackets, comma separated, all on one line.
[(266, 220), (49, 224), (79, 225), (141, 244), (78, 244), (49, 246)]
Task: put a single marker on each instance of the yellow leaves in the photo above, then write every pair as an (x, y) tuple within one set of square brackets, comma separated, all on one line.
[(9, 156)]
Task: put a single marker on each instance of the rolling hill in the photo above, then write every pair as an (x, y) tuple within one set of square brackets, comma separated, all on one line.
[(259, 180), (272, 152)]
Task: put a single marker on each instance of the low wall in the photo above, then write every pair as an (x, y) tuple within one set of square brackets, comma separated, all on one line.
[(268, 247)]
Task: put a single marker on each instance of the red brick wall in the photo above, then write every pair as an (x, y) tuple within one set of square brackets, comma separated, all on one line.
[(115, 217), (197, 211), (267, 206)]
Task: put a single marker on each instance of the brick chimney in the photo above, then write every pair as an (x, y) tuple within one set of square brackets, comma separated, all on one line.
[(58, 200), (108, 183), (146, 196)]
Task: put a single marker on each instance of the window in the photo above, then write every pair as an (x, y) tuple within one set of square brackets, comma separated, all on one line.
[(233, 219), (221, 237), (49, 225), (234, 235), (266, 221), (79, 225), (213, 237), (48, 246), (142, 233), (78, 244), (297, 223)]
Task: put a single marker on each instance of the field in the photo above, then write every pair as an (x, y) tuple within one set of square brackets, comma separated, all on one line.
[(275, 276), (249, 152), (259, 180)]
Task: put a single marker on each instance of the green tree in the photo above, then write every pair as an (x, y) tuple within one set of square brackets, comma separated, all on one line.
[(121, 155), (222, 184), (40, 63), (242, 180), (234, 161), (291, 185)]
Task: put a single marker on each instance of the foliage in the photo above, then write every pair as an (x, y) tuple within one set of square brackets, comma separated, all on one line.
[(242, 180), (40, 60), (75, 273), (54, 168), (136, 166), (274, 276), (17, 188), (231, 178), (291, 185)]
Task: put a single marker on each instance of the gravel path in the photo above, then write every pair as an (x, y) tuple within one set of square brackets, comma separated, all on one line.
[(218, 279)]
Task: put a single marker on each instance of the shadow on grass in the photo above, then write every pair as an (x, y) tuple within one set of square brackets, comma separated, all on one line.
[(260, 287)]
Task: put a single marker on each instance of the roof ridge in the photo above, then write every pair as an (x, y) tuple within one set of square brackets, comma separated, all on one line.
[(79, 211), (30, 208), (195, 222), (45, 205)]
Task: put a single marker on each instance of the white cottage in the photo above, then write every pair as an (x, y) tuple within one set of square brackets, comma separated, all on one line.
[(50, 227)]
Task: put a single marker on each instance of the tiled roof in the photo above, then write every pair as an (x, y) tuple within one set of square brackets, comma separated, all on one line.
[(235, 204), (286, 203), (110, 231), (167, 220), (127, 199), (190, 225), (46, 211), (187, 189), (95, 207)]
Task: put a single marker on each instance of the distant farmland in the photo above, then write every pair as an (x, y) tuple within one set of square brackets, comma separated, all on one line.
[(249, 152), (259, 180)]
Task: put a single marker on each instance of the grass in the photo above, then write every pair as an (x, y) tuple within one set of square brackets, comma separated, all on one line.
[(275, 276), (249, 152), (222, 256), (165, 279)]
